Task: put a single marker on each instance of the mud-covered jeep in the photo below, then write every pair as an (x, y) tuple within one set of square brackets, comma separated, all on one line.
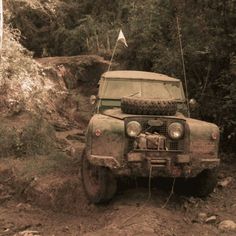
[(140, 127)]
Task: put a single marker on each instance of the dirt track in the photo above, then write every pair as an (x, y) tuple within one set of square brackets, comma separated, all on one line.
[(128, 214)]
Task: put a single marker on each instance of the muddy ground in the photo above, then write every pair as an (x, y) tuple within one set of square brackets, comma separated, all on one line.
[(52, 202)]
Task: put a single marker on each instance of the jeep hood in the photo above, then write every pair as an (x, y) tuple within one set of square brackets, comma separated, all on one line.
[(197, 126), (117, 113)]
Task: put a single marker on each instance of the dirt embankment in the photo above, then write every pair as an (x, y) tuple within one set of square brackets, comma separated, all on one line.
[(43, 96), (79, 76)]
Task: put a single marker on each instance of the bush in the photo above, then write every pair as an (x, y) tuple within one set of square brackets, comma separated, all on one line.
[(37, 138), (9, 141)]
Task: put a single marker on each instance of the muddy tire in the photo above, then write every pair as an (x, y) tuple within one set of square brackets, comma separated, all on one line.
[(141, 106), (99, 183), (200, 186), (204, 183)]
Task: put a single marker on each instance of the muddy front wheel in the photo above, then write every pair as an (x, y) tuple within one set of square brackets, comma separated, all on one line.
[(205, 182), (200, 186), (99, 183)]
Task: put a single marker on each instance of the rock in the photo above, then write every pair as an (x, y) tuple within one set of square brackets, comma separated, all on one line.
[(23, 206), (80, 136), (72, 152), (202, 216), (221, 175), (192, 200), (5, 198), (211, 219), (225, 182), (60, 127), (227, 225), (28, 233), (65, 229)]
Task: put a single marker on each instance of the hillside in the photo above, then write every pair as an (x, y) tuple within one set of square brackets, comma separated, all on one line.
[(50, 92)]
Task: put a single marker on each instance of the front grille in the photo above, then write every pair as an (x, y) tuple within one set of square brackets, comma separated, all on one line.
[(161, 130), (151, 129), (171, 145)]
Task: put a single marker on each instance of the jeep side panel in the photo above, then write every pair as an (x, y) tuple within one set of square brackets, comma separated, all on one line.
[(203, 144), (106, 141)]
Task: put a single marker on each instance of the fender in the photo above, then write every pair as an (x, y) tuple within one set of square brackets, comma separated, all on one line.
[(105, 143), (203, 144)]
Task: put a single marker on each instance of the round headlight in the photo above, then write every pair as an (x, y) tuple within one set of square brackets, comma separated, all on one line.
[(176, 130), (133, 128)]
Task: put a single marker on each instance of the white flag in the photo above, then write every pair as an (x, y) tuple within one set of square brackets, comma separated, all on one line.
[(1, 24), (121, 38)]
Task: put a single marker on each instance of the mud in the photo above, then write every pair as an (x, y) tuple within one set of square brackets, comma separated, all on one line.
[(55, 204)]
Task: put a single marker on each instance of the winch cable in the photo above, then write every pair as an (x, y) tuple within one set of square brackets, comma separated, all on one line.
[(171, 194), (123, 224)]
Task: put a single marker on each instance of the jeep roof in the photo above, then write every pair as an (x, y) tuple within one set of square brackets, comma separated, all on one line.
[(125, 74)]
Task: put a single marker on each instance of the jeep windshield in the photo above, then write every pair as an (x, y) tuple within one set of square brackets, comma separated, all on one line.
[(115, 89)]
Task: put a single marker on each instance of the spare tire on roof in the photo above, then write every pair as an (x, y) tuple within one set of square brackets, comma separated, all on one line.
[(148, 106)]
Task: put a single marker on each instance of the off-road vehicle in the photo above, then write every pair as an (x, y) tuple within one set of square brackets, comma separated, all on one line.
[(140, 124)]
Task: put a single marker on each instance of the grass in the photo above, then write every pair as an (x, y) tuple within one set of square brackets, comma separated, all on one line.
[(39, 166), (36, 137), (43, 165), (8, 141)]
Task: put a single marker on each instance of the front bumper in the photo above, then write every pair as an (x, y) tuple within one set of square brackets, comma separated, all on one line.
[(166, 157), (171, 164), (164, 164)]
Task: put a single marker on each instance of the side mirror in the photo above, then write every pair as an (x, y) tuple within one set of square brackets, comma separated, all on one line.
[(93, 99), (193, 104)]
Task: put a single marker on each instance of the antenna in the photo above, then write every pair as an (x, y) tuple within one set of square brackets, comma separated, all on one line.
[(113, 54), (183, 63)]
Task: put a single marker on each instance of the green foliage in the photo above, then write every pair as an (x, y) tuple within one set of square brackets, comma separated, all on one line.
[(209, 45), (36, 138), (9, 142), (42, 165), (35, 23), (16, 61)]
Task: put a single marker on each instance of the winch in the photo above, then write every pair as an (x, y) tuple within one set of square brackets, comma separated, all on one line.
[(154, 141)]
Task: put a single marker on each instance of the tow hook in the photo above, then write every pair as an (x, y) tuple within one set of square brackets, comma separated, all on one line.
[(187, 171), (176, 171)]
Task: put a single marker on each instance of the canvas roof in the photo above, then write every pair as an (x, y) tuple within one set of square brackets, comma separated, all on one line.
[(128, 74)]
